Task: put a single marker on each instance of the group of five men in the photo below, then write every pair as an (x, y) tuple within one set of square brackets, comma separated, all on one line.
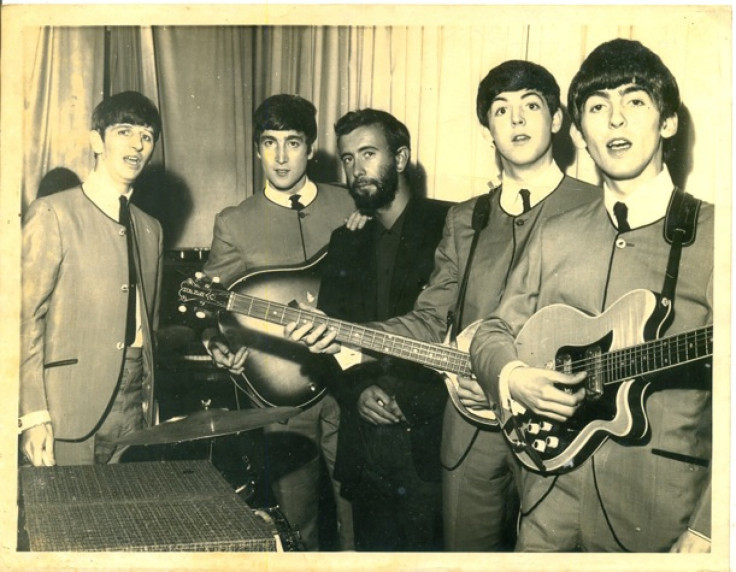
[(409, 470)]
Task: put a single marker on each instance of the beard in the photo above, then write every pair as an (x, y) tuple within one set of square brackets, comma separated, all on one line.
[(367, 201)]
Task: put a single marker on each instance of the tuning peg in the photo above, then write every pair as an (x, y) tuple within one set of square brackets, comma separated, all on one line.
[(200, 314), (182, 308)]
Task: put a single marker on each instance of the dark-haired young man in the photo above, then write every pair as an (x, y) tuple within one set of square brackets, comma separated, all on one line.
[(267, 230), (391, 411), (91, 272), (519, 103), (644, 495)]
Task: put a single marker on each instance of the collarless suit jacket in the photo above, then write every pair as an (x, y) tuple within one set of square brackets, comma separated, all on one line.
[(73, 308), (502, 243)]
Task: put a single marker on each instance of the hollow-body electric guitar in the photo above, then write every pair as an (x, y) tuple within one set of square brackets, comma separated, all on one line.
[(613, 350), (280, 372)]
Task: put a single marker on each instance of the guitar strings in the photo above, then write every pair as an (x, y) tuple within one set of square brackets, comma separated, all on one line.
[(440, 357), (620, 364), (616, 365)]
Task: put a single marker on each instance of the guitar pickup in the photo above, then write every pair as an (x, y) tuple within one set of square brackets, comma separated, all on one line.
[(594, 379)]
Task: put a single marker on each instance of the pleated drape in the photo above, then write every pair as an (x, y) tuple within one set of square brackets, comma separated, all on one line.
[(207, 81)]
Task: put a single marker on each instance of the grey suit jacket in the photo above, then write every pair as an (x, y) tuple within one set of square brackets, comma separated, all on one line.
[(73, 305), (658, 486), (502, 243)]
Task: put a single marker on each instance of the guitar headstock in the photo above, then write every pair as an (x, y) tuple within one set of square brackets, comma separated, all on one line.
[(202, 294)]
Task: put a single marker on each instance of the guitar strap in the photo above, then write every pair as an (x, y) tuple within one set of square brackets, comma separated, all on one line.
[(680, 227), (479, 221)]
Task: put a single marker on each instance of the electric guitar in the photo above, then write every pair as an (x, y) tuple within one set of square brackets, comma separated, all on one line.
[(612, 349), (281, 372)]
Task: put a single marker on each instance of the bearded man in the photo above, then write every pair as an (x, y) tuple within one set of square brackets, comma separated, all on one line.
[(391, 411)]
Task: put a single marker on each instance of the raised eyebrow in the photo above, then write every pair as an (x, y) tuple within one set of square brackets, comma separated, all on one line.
[(532, 94)]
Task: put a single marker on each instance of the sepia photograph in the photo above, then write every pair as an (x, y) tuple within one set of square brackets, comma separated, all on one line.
[(295, 286)]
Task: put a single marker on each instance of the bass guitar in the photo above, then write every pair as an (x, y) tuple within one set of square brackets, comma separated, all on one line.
[(281, 372), (612, 349)]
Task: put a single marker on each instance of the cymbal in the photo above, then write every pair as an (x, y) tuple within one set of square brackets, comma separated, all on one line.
[(206, 424)]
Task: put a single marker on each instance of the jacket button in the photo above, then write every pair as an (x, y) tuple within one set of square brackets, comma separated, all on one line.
[(121, 232), (144, 405), (124, 288), (120, 345), (620, 243), (519, 222)]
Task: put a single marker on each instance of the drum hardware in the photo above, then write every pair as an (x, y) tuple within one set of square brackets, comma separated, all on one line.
[(289, 537)]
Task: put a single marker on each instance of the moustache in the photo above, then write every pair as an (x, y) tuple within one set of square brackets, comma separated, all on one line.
[(365, 182)]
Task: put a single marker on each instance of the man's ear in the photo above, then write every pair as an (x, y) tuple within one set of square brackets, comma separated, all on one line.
[(669, 126), (96, 142), (577, 137), (402, 156), (557, 119), (488, 137), (311, 151)]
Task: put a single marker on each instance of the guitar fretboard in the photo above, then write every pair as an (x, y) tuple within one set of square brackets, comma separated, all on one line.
[(431, 355), (650, 357)]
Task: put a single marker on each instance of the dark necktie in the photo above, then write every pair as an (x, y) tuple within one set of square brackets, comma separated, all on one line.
[(298, 207), (295, 204), (130, 317), (620, 211), (525, 194)]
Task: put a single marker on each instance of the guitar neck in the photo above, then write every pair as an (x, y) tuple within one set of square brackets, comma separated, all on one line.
[(653, 356), (435, 356)]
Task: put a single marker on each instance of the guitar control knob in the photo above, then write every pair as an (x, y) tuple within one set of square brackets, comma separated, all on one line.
[(532, 428), (552, 442), (546, 426), (539, 445)]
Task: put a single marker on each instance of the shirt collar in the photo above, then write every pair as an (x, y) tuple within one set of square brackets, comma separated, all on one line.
[(307, 194), (539, 188), (645, 205), (106, 198)]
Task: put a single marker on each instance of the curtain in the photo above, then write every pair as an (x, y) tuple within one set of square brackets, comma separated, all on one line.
[(63, 74), (207, 81)]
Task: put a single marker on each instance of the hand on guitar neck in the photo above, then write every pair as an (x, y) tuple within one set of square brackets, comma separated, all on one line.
[(547, 392), (321, 339), (318, 339)]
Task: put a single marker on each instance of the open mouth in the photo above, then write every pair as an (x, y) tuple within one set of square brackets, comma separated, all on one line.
[(520, 138), (132, 160), (618, 145)]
